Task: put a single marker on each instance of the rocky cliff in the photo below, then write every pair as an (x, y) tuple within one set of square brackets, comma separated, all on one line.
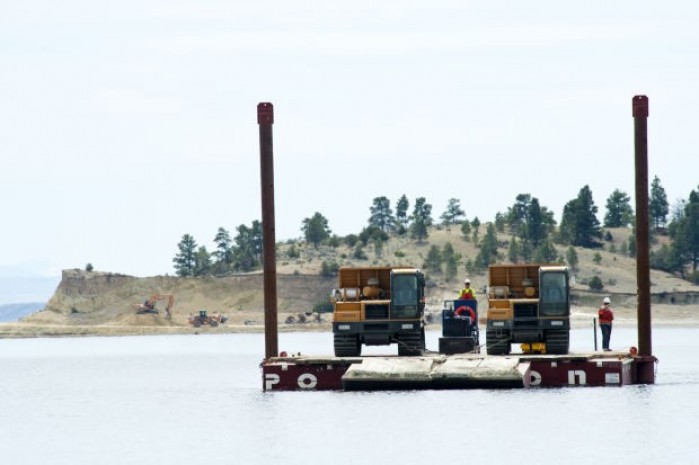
[(98, 298), (101, 303)]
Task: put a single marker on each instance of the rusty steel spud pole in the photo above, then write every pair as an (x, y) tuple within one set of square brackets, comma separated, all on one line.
[(265, 119), (646, 364)]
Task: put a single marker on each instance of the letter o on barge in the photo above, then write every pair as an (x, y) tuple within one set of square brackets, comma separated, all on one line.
[(307, 381)]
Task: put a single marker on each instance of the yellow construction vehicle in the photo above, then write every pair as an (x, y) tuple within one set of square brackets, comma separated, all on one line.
[(379, 306), (528, 304)]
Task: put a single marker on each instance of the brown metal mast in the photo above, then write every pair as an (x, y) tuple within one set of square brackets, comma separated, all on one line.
[(265, 119), (646, 363)]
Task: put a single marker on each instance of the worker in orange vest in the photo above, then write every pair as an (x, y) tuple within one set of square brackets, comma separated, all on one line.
[(467, 293), (606, 316)]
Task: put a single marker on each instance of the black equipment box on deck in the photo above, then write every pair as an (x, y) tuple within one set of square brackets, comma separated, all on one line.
[(456, 345)]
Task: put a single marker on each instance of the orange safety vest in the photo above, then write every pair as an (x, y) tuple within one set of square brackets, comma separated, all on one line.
[(467, 293)]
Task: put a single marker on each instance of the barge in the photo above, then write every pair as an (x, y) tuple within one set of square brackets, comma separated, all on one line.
[(457, 370)]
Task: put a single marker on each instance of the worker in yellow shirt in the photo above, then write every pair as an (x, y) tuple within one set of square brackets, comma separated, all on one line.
[(467, 293)]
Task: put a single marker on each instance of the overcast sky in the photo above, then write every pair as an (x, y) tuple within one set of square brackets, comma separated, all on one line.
[(124, 125)]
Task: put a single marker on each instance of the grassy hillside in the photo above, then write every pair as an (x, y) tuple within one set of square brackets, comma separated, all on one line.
[(616, 270)]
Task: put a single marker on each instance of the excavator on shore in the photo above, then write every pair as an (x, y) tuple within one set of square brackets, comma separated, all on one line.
[(149, 305)]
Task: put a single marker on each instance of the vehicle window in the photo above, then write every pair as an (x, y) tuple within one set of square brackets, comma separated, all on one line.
[(404, 290)]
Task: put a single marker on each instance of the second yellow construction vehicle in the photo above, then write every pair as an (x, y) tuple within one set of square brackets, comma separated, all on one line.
[(528, 304)]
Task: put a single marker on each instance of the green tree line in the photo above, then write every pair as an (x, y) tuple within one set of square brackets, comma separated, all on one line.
[(532, 227), (240, 254)]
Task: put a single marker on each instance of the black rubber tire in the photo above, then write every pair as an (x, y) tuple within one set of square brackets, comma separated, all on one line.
[(347, 345), (557, 341), (497, 345), (411, 344)]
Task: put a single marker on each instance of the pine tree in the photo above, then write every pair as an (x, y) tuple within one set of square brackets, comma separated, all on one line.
[(402, 218), (572, 258), (257, 239), (372, 233), (667, 259), (447, 251), (513, 252), (619, 211), (378, 247), (422, 219), (526, 251), (500, 222), (451, 268), (488, 252), (245, 256), (434, 259), (453, 214), (202, 260), (631, 250), (596, 283), (685, 233), (185, 259), (451, 261), (579, 224), (223, 255), (517, 215), (316, 229), (528, 220), (382, 214), (475, 224), (546, 253), (536, 228), (658, 205), (466, 231)]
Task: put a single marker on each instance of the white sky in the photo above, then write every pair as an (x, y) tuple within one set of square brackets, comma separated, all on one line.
[(126, 124)]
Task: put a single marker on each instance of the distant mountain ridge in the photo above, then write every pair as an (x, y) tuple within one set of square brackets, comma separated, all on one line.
[(15, 312), (22, 289)]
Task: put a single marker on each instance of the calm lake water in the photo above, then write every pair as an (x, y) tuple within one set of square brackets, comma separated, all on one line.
[(198, 400)]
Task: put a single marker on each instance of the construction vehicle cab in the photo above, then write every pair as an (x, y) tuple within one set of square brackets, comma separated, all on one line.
[(528, 304), (379, 306)]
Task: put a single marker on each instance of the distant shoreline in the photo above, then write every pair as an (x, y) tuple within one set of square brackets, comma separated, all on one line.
[(662, 316)]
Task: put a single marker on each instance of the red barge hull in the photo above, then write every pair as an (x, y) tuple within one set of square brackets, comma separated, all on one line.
[(453, 372)]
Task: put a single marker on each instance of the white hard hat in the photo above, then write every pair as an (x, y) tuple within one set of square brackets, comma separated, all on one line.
[(607, 301), (467, 281)]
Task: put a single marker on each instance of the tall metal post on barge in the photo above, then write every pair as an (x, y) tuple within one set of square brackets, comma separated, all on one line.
[(265, 119), (646, 362)]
